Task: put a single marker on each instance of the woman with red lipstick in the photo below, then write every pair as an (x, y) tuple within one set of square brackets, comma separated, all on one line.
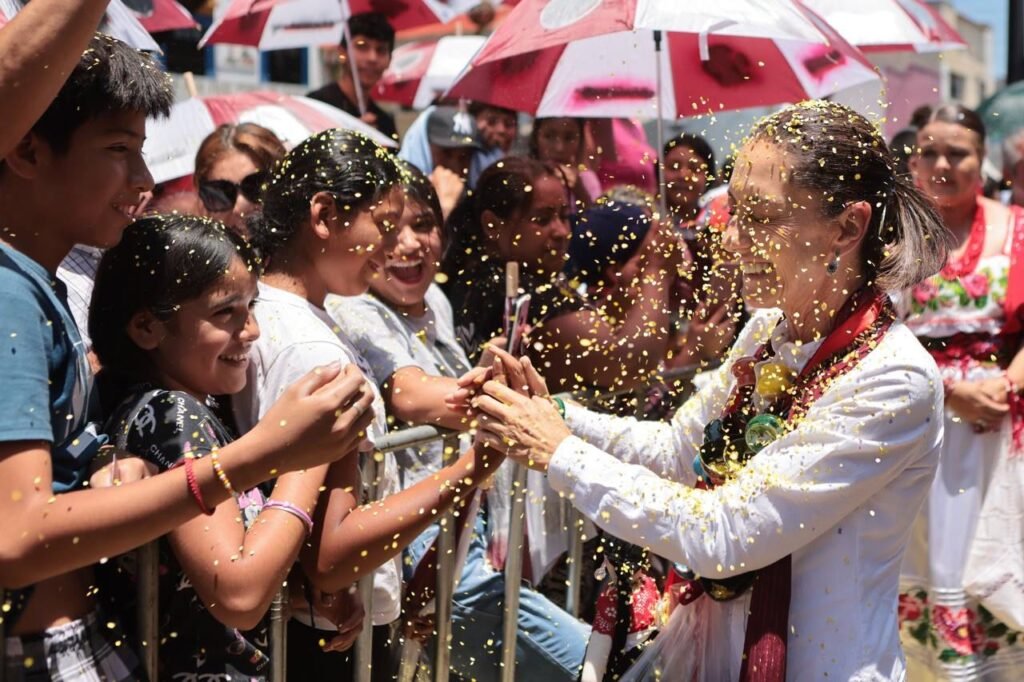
[(167, 344), (969, 317)]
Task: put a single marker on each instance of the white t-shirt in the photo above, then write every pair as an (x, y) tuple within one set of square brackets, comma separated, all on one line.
[(295, 337)]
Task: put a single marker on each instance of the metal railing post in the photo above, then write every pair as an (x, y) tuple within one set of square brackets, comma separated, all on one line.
[(513, 574), (278, 637), (446, 577), (572, 593), (148, 607), (364, 644)]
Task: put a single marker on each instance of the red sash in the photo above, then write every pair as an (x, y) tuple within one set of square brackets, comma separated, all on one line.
[(1014, 303)]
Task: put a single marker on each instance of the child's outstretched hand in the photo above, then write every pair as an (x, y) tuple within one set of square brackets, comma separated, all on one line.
[(118, 470), (318, 419)]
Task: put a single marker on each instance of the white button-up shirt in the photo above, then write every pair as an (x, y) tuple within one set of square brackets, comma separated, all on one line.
[(839, 492)]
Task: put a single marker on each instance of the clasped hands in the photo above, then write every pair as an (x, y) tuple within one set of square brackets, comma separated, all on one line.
[(514, 412)]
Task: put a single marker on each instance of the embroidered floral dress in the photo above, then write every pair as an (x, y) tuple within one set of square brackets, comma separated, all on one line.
[(946, 634)]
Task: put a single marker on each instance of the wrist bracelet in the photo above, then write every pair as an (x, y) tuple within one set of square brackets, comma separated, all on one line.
[(560, 406), (221, 476), (294, 510), (193, 485)]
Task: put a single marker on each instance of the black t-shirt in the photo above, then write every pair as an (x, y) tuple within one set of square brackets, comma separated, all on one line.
[(332, 94), (161, 426)]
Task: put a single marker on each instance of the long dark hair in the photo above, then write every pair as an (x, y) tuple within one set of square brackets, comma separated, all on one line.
[(161, 262), (842, 156), (504, 188), (349, 166)]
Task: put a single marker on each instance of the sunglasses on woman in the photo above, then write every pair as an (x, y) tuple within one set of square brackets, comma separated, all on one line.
[(219, 196)]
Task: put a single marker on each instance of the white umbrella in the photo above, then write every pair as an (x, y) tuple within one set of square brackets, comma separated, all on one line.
[(172, 143), (119, 22), (422, 71)]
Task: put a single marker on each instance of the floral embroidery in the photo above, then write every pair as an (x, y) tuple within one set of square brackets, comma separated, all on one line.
[(956, 635), (971, 290)]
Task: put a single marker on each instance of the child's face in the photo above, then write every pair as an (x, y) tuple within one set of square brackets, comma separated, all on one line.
[(356, 251), (94, 188), (205, 350), (559, 140), (411, 264), (540, 237)]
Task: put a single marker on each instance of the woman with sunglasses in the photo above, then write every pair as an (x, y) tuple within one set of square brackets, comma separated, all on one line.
[(231, 166)]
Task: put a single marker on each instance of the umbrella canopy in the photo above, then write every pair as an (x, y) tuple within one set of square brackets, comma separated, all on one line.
[(161, 15), (889, 25), (1003, 113), (280, 24), (422, 71), (604, 62), (119, 22), (172, 143)]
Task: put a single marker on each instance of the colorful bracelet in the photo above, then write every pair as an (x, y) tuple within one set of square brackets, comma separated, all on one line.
[(294, 510), (193, 485), (221, 476)]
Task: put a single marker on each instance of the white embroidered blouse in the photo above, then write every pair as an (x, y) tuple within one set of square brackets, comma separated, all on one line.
[(839, 492)]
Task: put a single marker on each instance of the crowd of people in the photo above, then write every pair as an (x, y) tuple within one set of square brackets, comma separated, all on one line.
[(210, 369)]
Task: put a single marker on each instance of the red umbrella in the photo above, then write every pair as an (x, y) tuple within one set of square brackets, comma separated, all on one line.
[(422, 71), (161, 15), (889, 25), (118, 21)]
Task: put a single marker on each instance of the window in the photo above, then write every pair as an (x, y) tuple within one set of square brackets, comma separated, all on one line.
[(956, 86)]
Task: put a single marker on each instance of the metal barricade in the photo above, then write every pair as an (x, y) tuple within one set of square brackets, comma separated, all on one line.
[(408, 438)]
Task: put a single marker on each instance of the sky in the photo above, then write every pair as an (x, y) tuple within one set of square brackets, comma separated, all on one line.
[(994, 13)]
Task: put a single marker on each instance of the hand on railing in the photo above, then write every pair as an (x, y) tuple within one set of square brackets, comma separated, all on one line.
[(345, 610), (420, 628), (320, 418)]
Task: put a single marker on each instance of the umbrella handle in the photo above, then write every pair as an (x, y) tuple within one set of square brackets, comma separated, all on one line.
[(360, 96), (190, 84)]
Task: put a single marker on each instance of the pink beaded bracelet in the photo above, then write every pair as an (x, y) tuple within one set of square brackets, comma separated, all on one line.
[(294, 510)]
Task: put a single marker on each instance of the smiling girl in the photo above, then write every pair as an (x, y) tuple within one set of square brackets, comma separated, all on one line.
[(168, 343)]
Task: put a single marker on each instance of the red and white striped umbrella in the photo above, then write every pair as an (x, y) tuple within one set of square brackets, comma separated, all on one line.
[(172, 143), (422, 71), (599, 58), (279, 24), (119, 22), (889, 25), (161, 15)]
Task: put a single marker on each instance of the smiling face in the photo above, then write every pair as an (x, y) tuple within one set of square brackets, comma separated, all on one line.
[(89, 193), (497, 128), (204, 347), (776, 232), (947, 163), (356, 244), (411, 264), (372, 59), (538, 236)]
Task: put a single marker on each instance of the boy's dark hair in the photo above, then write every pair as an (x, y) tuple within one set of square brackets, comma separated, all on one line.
[(351, 167), (372, 25), (110, 77), (145, 272)]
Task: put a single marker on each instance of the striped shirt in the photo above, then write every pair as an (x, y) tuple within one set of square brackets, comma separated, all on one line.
[(78, 272)]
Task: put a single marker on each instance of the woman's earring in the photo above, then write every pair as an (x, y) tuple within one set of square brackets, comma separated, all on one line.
[(833, 266)]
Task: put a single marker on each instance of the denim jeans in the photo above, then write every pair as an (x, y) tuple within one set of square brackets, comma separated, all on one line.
[(550, 645)]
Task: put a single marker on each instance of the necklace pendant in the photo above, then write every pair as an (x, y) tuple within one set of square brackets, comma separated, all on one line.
[(773, 379), (762, 431)]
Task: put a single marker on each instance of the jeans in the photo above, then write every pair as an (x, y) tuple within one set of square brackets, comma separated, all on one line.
[(550, 645)]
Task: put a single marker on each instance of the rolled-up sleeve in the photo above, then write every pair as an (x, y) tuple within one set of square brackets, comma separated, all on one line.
[(871, 425)]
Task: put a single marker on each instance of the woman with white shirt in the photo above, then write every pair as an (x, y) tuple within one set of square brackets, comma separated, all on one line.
[(785, 489), (329, 212)]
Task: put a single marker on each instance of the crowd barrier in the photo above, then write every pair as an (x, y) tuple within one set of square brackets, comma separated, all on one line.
[(148, 560)]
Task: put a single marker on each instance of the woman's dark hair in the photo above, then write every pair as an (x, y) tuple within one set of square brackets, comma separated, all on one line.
[(417, 186), (698, 145), (504, 188), (161, 262), (351, 167), (844, 159), (261, 145), (535, 133), (961, 116)]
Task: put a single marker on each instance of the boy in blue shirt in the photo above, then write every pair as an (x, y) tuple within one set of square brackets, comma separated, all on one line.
[(76, 177)]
